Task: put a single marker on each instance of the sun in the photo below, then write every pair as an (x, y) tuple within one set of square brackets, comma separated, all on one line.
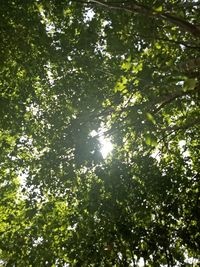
[(106, 146)]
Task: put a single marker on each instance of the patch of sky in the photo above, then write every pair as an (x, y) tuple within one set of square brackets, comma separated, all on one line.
[(105, 142)]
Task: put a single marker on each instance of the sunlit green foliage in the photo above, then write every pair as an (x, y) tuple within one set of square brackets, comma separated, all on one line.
[(127, 70)]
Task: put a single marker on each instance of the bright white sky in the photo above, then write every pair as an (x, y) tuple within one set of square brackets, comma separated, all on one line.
[(106, 146)]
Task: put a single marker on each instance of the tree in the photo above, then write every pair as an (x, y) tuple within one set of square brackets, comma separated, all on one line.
[(74, 71)]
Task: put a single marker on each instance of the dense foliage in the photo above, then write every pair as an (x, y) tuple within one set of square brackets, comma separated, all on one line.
[(70, 72)]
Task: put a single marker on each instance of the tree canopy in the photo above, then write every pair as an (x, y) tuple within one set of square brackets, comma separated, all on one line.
[(73, 73)]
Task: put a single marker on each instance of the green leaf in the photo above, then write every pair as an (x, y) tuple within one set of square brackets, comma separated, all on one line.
[(157, 45), (190, 84), (151, 140), (137, 67), (121, 85), (126, 66), (158, 9), (150, 118)]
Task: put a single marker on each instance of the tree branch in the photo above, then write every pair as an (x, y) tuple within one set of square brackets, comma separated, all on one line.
[(173, 97), (182, 127), (135, 7), (164, 39)]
